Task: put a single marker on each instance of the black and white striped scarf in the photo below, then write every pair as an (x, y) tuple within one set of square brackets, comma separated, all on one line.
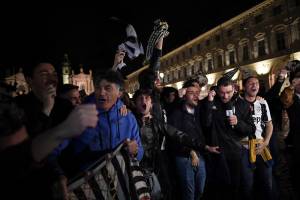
[(160, 30), (116, 176)]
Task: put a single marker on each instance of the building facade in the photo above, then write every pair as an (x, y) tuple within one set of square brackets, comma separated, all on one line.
[(18, 86), (83, 81), (18, 83), (66, 69), (263, 38)]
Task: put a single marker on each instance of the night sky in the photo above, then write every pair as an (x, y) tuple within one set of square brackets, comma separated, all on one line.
[(89, 36)]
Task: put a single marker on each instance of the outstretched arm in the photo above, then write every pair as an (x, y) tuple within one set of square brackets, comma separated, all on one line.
[(147, 78), (156, 55), (119, 60), (83, 116)]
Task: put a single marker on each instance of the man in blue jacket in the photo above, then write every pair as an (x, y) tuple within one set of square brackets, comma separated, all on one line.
[(111, 130)]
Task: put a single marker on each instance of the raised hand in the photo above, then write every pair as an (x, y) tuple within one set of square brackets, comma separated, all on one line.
[(211, 95), (48, 99), (132, 147), (119, 59), (81, 117)]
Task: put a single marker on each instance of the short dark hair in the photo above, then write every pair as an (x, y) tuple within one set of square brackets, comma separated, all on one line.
[(139, 92), (224, 81), (110, 76), (190, 83), (11, 118), (30, 68), (247, 79), (65, 88)]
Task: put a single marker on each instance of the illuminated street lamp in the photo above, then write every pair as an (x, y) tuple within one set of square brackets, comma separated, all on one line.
[(161, 75)]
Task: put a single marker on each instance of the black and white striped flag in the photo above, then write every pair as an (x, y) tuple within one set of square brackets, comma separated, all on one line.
[(114, 176), (231, 73)]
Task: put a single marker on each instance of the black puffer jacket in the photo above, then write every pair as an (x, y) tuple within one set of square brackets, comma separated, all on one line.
[(190, 125), (224, 135)]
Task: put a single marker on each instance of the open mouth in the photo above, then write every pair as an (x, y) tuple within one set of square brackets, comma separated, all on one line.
[(101, 100)]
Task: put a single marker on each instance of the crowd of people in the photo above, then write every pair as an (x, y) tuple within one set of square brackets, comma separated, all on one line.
[(225, 146)]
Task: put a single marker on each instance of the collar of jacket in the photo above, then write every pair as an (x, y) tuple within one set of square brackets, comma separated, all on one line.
[(184, 109)]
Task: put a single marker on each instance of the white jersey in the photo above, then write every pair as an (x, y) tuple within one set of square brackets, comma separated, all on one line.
[(261, 115)]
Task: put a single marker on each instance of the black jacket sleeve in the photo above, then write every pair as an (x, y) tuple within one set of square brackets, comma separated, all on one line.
[(155, 59), (183, 139), (176, 121), (275, 105), (245, 125), (206, 110), (148, 76)]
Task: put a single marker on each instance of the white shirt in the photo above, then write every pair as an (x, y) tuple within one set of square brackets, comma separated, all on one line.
[(260, 115), (190, 110)]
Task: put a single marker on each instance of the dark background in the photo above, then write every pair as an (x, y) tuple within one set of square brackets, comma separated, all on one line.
[(89, 36)]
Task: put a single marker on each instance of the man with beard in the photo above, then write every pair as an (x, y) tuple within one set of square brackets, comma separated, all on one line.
[(229, 120), (154, 134), (190, 162)]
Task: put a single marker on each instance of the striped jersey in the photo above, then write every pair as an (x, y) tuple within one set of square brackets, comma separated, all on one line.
[(260, 114)]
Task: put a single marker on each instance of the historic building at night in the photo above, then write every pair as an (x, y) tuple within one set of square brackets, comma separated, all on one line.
[(82, 80), (263, 38), (17, 85)]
